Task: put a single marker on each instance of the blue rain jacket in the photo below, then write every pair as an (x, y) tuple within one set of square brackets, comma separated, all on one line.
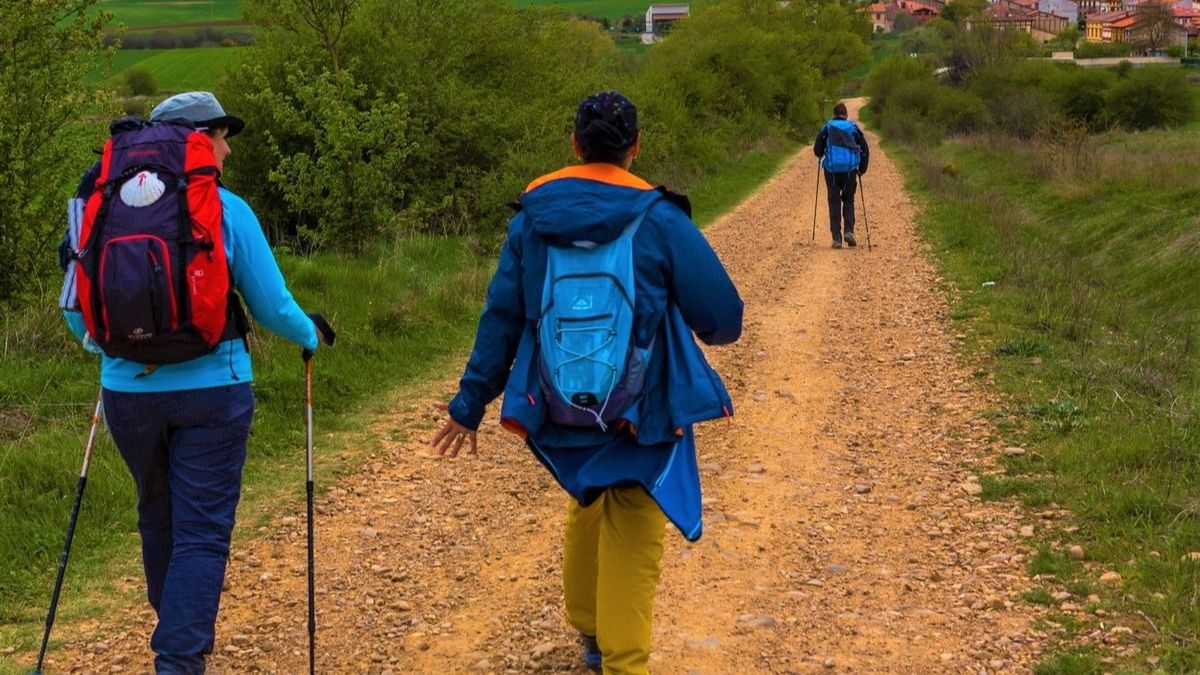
[(681, 290)]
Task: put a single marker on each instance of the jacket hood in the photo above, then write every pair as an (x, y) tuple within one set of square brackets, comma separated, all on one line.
[(586, 202)]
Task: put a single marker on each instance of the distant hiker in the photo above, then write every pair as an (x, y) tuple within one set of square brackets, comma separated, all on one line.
[(844, 156), (588, 332), (157, 254)]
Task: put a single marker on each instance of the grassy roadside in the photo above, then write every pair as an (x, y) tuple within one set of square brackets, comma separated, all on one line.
[(404, 315), (1076, 266)]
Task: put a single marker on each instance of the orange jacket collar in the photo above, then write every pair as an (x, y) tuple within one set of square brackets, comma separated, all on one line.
[(600, 172)]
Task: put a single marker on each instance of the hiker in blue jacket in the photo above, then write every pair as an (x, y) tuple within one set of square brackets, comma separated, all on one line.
[(628, 477), (182, 428), (844, 156)]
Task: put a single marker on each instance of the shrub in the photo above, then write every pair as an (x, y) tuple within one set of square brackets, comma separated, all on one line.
[(162, 39), (890, 74), (49, 116), (442, 118), (139, 82), (1151, 97), (1080, 93), (1024, 112), (1095, 50), (960, 111)]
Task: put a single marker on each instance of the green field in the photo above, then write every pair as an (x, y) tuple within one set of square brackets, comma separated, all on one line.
[(144, 13), (176, 70), (613, 9), (122, 59)]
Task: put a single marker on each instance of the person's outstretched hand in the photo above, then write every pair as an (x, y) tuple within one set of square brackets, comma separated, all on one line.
[(453, 434)]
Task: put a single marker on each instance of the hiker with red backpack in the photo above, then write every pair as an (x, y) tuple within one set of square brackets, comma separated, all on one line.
[(157, 255), (588, 331), (842, 149)]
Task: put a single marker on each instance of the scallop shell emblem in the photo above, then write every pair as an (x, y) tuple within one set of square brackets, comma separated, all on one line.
[(142, 190)]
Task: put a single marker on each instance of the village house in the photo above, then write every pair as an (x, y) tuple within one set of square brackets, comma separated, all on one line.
[(1024, 15), (1089, 7), (1112, 27), (660, 17), (883, 14), (1063, 8), (1107, 26)]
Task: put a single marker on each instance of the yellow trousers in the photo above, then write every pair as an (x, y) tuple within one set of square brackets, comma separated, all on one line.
[(612, 557)]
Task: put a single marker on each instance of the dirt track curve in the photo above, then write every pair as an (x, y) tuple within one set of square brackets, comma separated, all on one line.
[(841, 529)]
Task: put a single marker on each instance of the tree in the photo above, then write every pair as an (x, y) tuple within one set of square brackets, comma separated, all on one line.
[(1155, 28), (50, 119), (140, 82), (903, 23), (958, 11)]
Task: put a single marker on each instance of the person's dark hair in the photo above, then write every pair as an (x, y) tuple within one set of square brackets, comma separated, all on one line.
[(606, 127), (839, 110)]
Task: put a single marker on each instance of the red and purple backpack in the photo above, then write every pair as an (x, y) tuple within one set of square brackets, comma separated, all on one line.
[(153, 282)]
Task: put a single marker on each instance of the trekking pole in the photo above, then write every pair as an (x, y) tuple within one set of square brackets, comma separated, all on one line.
[(816, 194), (308, 488), (866, 223), (62, 561)]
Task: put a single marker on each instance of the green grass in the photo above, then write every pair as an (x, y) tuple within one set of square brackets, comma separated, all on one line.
[(1195, 124), (1090, 327), (403, 315), (1073, 663), (613, 9), (177, 70), (718, 193), (122, 59), (144, 13)]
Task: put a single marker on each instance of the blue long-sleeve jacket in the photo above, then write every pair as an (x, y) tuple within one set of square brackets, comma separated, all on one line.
[(681, 289), (257, 278)]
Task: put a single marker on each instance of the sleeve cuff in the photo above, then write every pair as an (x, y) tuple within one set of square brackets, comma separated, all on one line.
[(465, 414)]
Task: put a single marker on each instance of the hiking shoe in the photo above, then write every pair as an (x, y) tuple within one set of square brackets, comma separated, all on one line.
[(837, 243), (850, 240), (591, 652)]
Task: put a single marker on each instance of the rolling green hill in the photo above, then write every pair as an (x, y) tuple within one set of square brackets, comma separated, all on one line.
[(145, 13), (177, 70)]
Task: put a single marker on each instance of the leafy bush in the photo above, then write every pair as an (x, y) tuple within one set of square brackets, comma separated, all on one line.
[(48, 120), (889, 75), (960, 111), (1096, 50), (139, 81), (1080, 93), (442, 118), (1151, 97), (988, 83)]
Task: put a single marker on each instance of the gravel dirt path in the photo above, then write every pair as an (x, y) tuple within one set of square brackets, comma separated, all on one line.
[(842, 528)]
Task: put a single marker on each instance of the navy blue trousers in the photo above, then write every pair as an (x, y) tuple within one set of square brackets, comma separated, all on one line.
[(840, 188), (185, 450)]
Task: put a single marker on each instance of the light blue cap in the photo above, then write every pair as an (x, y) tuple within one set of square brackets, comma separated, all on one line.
[(200, 108)]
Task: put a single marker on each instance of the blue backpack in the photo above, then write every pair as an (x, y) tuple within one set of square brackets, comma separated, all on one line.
[(590, 370), (842, 153)]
